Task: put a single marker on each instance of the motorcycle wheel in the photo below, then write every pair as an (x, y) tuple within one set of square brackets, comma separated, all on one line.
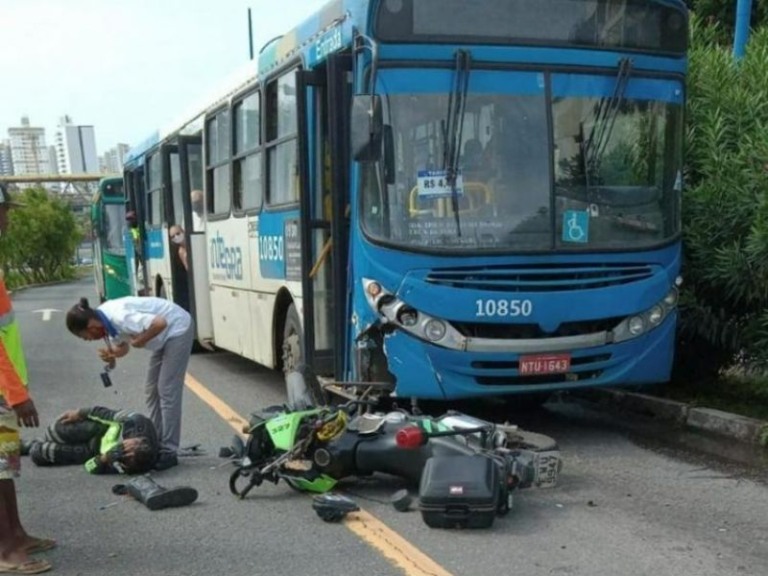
[(531, 441)]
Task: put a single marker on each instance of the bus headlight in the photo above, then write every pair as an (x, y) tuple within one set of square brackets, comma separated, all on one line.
[(670, 300), (397, 314), (434, 329), (639, 324), (655, 315), (636, 325), (407, 316)]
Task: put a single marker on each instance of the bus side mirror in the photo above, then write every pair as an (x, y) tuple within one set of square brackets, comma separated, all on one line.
[(366, 130), (95, 216)]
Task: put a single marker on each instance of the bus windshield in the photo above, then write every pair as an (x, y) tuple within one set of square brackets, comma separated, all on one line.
[(113, 218), (521, 183)]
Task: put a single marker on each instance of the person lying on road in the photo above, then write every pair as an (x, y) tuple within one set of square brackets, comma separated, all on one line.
[(105, 440)]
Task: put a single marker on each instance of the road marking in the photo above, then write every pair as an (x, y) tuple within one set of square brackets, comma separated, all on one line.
[(219, 406), (365, 525), (47, 312)]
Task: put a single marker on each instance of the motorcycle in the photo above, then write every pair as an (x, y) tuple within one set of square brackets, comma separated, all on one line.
[(312, 448)]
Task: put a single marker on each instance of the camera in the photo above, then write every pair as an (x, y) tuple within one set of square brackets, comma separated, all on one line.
[(105, 378)]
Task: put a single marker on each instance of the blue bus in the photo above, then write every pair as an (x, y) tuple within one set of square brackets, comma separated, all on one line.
[(445, 199)]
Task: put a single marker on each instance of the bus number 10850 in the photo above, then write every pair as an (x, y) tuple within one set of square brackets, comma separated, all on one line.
[(503, 308)]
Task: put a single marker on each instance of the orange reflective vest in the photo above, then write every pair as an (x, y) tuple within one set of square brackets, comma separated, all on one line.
[(13, 367)]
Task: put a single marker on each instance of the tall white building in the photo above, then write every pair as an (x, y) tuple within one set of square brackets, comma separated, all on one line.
[(114, 159), (76, 148), (28, 149), (6, 160)]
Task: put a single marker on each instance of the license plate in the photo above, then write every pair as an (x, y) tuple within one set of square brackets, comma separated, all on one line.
[(545, 364), (547, 466)]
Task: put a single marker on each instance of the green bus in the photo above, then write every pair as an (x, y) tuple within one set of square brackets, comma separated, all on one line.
[(110, 266)]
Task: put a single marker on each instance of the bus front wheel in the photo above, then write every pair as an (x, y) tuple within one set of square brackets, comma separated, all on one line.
[(292, 340)]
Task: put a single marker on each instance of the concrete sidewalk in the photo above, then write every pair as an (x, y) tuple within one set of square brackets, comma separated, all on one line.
[(741, 428)]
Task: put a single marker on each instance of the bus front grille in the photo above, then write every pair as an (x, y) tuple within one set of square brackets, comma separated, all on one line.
[(496, 331), (539, 277), (540, 379)]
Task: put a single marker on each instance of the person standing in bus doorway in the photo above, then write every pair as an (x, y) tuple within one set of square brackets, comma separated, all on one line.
[(197, 199), (138, 253), (158, 325), (16, 408), (178, 239)]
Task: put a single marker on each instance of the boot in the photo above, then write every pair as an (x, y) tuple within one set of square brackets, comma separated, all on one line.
[(155, 497)]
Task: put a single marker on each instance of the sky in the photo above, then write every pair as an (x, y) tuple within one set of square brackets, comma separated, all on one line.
[(126, 67)]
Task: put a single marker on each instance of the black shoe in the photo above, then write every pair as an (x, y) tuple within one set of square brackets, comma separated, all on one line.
[(166, 461), (171, 498)]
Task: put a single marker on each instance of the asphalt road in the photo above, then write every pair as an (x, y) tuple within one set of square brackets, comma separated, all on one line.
[(631, 500)]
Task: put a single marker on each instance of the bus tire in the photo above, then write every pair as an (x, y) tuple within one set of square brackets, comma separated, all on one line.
[(293, 341)]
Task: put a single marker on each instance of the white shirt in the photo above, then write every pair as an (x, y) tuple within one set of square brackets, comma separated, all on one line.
[(132, 315), (198, 224)]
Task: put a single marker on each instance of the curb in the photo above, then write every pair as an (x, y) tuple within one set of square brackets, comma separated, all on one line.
[(724, 424), (53, 283)]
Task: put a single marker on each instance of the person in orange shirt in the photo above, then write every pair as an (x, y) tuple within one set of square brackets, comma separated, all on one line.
[(16, 409)]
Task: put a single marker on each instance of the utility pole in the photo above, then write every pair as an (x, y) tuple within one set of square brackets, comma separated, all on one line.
[(743, 17)]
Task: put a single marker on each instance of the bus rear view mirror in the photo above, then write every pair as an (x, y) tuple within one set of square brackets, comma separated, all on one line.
[(95, 215), (366, 132)]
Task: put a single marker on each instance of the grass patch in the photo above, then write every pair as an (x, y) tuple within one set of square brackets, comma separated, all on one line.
[(745, 394)]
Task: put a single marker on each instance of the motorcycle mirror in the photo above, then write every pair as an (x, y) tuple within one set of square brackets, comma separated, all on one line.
[(410, 437)]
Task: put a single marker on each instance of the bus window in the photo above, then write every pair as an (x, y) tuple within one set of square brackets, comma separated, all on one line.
[(282, 154), (176, 191), (195, 166), (155, 214), (111, 233), (247, 165), (217, 160)]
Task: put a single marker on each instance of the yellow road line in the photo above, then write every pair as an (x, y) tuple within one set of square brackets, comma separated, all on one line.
[(395, 548), (219, 406)]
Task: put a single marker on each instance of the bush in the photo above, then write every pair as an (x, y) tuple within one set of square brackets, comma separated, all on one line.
[(723, 14), (724, 304), (40, 241)]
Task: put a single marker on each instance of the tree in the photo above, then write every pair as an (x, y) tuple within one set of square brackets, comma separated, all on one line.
[(724, 304), (722, 14), (41, 239)]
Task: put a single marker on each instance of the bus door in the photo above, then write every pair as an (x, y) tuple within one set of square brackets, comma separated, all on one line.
[(191, 158), (135, 239), (324, 105), (174, 209), (158, 186)]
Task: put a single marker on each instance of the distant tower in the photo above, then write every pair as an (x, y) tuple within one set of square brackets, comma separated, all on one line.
[(6, 159), (114, 159), (76, 148), (28, 150)]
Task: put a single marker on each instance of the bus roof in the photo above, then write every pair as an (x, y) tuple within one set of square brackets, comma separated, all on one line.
[(328, 30), (190, 121), (315, 38)]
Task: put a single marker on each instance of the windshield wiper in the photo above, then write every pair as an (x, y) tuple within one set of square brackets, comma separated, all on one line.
[(605, 118), (454, 127)]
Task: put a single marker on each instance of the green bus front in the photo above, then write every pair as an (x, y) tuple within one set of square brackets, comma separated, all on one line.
[(110, 266)]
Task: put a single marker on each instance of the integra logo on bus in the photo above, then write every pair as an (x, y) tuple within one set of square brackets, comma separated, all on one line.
[(227, 258)]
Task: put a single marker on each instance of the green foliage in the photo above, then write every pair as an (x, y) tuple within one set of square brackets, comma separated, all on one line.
[(722, 14), (41, 240), (724, 304)]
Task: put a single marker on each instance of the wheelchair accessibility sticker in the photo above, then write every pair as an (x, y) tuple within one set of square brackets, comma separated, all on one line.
[(575, 226)]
